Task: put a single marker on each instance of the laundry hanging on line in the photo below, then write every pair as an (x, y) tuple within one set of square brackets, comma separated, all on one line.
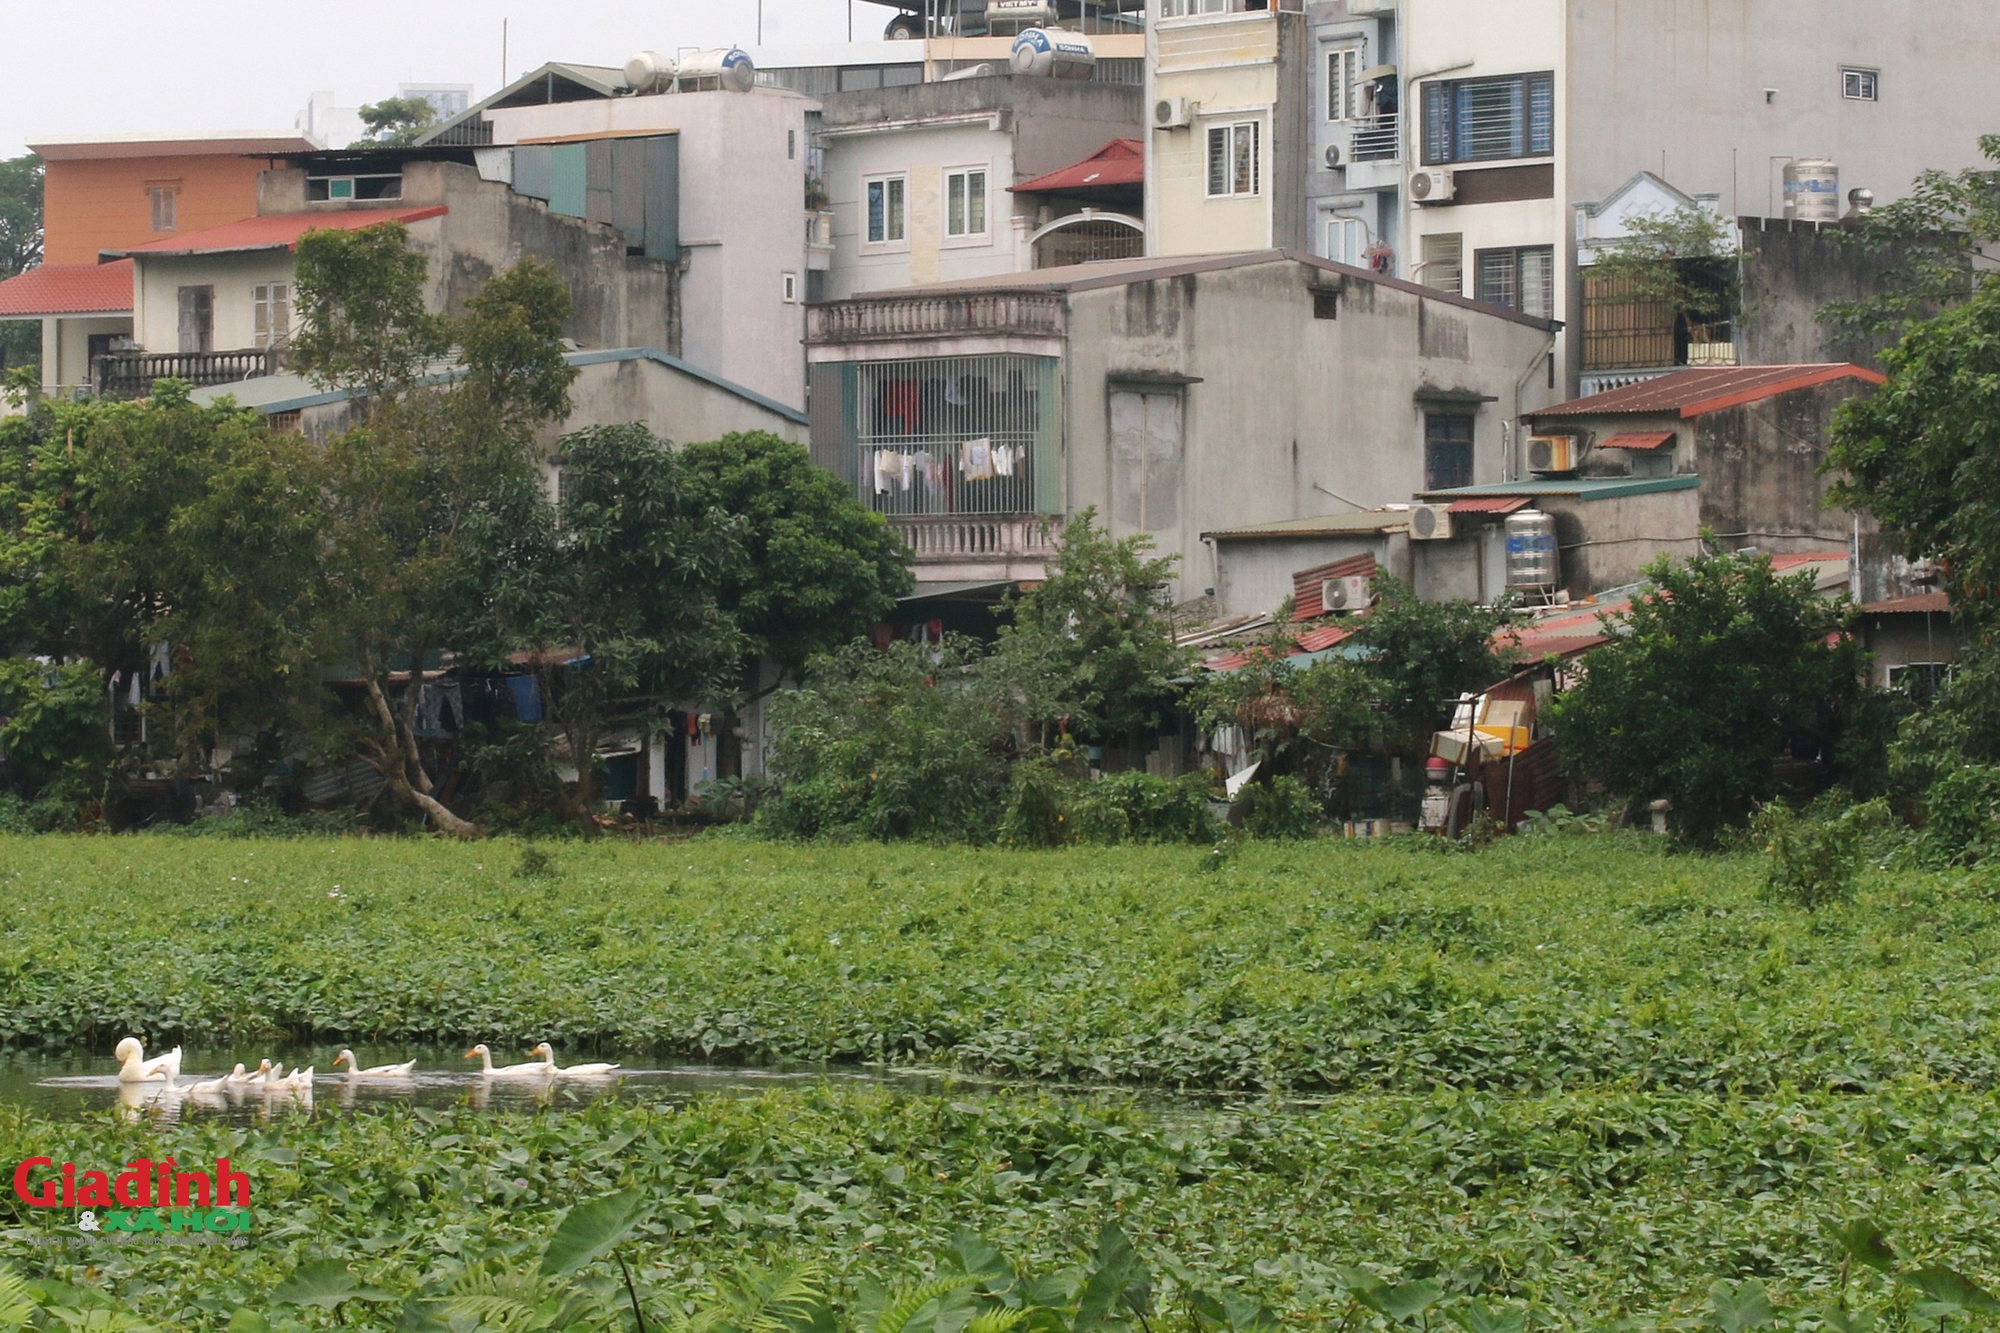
[(975, 460)]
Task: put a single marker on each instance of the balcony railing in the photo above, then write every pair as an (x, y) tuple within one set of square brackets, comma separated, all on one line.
[(936, 540), (131, 374), (1379, 139), (894, 317)]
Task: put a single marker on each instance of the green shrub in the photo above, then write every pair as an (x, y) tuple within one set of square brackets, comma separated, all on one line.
[(1283, 809), (1138, 807), (1963, 816), (1037, 796), (1814, 858)]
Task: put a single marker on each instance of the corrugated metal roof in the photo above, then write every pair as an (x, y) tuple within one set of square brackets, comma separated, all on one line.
[(1689, 393), (1638, 439), (68, 289), (1489, 504), (1582, 488), (275, 231), (1120, 162), (1369, 522), (1923, 604), (1306, 603)]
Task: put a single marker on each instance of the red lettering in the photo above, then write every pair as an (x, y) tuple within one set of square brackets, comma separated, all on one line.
[(201, 1189), (134, 1186), (47, 1196), (69, 1184), (231, 1187), (95, 1192)]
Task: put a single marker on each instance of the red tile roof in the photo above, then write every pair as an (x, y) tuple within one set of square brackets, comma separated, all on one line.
[(1924, 603), (1120, 162), (68, 289), (1796, 559), (1488, 504), (1306, 603), (1638, 439), (274, 231), (1689, 393)]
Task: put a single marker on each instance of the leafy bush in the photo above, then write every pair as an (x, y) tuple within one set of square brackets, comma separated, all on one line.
[(1558, 821), (52, 733), (1813, 859), (1138, 807), (1284, 808), (1038, 793), (1962, 811)]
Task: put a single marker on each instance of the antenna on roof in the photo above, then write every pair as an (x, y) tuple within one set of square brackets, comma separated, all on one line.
[(503, 53)]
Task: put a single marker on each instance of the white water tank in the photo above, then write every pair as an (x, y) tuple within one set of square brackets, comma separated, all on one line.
[(1812, 190), (1050, 53), (651, 72), (1534, 560), (731, 70)]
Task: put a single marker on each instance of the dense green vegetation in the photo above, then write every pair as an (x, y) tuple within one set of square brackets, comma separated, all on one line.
[(1543, 963)]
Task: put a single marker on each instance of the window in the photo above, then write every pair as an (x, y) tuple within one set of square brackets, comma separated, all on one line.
[(1483, 120), (965, 202), (197, 319), (1343, 81), (164, 199), (1347, 241), (271, 319), (1861, 85), (885, 210), (382, 185), (1521, 279), (1232, 159), (1173, 9), (1443, 265), (1447, 450), (790, 283), (1921, 681)]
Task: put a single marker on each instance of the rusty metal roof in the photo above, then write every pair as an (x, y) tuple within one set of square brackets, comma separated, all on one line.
[(1638, 439), (1489, 504), (274, 231), (68, 289), (1923, 604), (1306, 603), (1690, 393)]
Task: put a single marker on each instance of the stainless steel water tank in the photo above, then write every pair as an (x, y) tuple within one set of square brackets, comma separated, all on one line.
[(1533, 559), (1812, 190)]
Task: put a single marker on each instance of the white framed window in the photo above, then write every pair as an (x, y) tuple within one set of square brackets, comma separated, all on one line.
[(1347, 240), (886, 199), (965, 202), (1343, 80), (1443, 265), (1860, 85), (165, 200), (271, 315), (1233, 162), (790, 285), (1174, 9)]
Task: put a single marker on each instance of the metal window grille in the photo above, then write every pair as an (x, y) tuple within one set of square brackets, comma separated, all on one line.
[(1444, 262), (1483, 120), (1233, 158), (920, 426), (1447, 450), (1520, 279)]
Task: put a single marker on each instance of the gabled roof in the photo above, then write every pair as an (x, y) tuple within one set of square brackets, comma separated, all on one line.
[(1690, 393), (556, 81), (275, 231), (1120, 162), (68, 289)]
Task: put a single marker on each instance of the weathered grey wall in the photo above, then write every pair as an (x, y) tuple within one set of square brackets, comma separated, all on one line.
[(1791, 271), (1759, 468), (1609, 543), (1253, 575), (1900, 640), (682, 408), (1053, 122)]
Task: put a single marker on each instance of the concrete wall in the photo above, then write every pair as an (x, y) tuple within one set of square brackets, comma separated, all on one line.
[(1276, 400), (106, 203), (1609, 543), (1895, 641), (1252, 575), (677, 406), (157, 280), (1791, 271), (742, 218), (1018, 128), (66, 346), (1759, 467)]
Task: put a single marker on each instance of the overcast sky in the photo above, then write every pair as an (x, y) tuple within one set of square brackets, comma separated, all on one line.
[(133, 66)]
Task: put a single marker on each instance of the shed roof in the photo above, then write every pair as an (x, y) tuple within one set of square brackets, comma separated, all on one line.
[(1690, 393), (1120, 162), (1580, 488), (1638, 439), (1923, 604), (274, 231), (68, 289), (1488, 504)]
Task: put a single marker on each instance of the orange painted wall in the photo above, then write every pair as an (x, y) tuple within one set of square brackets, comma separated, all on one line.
[(106, 204)]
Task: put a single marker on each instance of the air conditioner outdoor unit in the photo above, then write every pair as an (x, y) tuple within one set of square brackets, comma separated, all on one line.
[(1348, 594), (1552, 453), (1173, 113), (1430, 523), (1433, 186)]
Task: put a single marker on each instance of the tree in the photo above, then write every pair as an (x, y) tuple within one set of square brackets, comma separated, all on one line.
[(1706, 681), (1922, 453), (20, 250), (1099, 632), (1941, 233), (819, 568), (431, 453), (614, 590), (1426, 655), (396, 121), (1683, 259)]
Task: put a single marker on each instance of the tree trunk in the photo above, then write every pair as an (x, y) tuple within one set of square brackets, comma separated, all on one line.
[(401, 764)]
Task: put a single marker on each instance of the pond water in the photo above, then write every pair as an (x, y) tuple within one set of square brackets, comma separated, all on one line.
[(73, 1084)]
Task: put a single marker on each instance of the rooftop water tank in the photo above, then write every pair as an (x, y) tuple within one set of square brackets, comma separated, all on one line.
[(1812, 190), (650, 72), (731, 70), (1052, 54), (1533, 558)]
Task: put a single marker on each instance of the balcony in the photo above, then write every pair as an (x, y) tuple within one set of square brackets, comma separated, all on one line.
[(1378, 139), (131, 374), (885, 319), (997, 545)]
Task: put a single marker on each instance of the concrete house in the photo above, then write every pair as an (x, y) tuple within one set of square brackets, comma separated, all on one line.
[(1177, 397)]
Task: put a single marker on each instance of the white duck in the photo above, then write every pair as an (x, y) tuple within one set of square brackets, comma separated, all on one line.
[(354, 1069), (264, 1076), (237, 1078), (299, 1080), (134, 1067), (217, 1084), (548, 1054), (487, 1069)]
